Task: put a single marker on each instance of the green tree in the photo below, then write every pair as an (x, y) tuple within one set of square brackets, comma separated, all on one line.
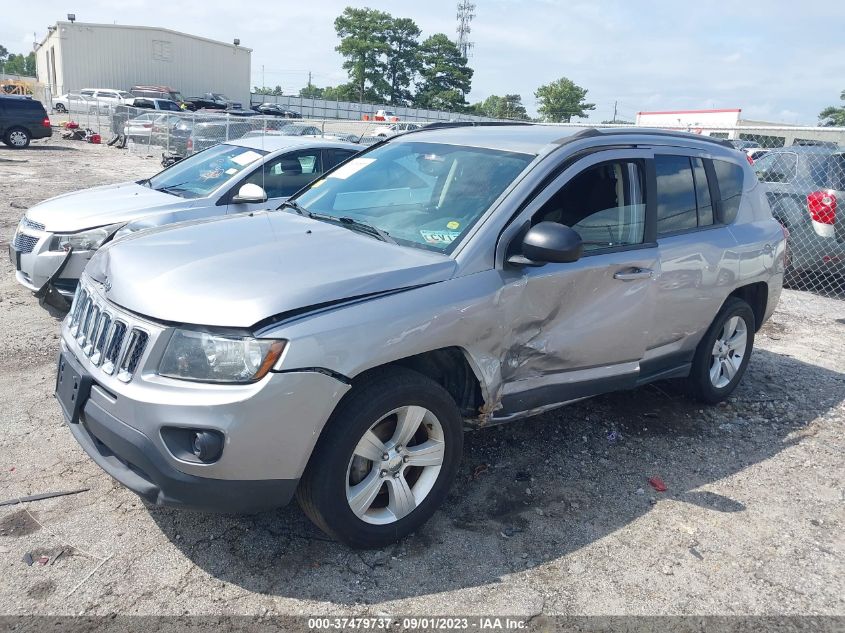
[(496, 107), (444, 75), (363, 44), (266, 90), (311, 92), (833, 115), (402, 62), (561, 100), (13, 64)]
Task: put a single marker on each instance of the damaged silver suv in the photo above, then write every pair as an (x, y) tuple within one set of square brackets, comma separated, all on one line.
[(336, 348)]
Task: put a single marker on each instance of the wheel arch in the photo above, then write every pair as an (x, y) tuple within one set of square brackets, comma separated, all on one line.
[(755, 295)]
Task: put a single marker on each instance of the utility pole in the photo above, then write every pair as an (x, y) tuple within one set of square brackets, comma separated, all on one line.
[(262, 77), (614, 111), (309, 82)]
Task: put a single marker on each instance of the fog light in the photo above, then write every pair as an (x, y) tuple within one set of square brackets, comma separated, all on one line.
[(207, 446)]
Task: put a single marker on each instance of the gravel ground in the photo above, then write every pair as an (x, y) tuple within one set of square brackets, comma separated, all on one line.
[(554, 515)]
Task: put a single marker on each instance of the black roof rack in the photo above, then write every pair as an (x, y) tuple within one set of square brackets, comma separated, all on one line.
[(656, 132)]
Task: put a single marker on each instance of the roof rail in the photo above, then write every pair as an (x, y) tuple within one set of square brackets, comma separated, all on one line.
[(659, 132)]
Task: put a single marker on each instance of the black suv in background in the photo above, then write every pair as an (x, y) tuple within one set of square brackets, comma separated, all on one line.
[(21, 120)]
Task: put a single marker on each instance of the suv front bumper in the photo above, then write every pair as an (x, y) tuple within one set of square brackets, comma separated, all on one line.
[(137, 456)]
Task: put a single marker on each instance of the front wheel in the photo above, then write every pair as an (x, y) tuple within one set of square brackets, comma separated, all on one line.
[(385, 461), (722, 355), (60, 108)]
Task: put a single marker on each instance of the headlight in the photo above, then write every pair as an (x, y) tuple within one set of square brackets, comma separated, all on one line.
[(192, 355), (84, 240)]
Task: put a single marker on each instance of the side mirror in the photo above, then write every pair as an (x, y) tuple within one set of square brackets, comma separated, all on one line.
[(549, 242), (250, 193)]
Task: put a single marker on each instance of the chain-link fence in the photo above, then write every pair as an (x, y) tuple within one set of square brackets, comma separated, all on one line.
[(802, 169)]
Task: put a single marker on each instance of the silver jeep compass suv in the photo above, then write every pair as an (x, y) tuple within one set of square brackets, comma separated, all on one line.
[(335, 348)]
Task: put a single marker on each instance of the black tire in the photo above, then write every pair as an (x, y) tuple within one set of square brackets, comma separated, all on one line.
[(699, 382), (17, 133), (61, 109), (322, 489)]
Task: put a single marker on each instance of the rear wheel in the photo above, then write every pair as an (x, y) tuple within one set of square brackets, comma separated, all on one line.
[(60, 108), (722, 355), (17, 137), (386, 460)]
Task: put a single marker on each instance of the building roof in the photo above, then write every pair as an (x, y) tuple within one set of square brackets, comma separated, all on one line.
[(692, 111), (65, 23)]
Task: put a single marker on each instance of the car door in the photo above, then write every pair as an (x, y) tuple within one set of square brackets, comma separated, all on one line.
[(578, 329), (698, 256), (280, 177)]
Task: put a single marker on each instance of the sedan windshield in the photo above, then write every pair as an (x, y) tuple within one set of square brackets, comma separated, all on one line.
[(198, 175), (424, 195)]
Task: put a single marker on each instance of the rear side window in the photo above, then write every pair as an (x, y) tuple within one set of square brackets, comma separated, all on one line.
[(676, 205), (730, 177), (836, 172), (702, 193)]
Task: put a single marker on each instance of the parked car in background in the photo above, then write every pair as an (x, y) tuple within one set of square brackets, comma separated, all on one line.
[(385, 115), (91, 100), (274, 109), (462, 276), (805, 186), (394, 128), (148, 103), (243, 175), (151, 128), (21, 120), (161, 92), (214, 101)]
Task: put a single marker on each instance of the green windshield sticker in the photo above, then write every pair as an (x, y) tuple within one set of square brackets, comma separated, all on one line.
[(440, 237)]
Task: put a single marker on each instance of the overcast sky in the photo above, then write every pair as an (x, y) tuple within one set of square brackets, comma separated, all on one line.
[(777, 60)]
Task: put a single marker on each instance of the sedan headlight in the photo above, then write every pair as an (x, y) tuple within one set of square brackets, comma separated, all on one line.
[(84, 240), (192, 355)]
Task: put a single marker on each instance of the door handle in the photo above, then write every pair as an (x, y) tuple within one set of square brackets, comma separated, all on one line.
[(632, 274)]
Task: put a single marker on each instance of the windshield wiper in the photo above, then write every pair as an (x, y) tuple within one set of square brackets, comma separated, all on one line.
[(363, 227), (293, 204), (174, 189)]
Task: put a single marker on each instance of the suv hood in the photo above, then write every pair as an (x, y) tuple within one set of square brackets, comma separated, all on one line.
[(90, 208), (236, 271)]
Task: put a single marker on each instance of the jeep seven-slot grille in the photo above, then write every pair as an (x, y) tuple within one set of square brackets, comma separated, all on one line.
[(112, 344)]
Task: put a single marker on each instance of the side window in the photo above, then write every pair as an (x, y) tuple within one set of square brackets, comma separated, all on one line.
[(285, 175), (337, 156), (676, 209), (730, 177), (775, 167), (604, 203), (702, 193), (87, 93)]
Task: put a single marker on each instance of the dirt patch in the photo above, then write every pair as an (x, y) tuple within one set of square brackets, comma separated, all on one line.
[(19, 523)]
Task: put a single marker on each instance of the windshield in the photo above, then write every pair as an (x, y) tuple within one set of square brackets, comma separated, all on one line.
[(424, 195), (198, 175)]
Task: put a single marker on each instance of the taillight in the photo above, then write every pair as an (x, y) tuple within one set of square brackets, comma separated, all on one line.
[(46, 122), (822, 207), (189, 145), (750, 160)]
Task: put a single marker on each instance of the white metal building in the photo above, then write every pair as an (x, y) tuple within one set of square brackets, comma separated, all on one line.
[(694, 120), (76, 55)]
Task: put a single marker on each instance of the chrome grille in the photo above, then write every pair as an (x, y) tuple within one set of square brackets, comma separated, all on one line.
[(112, 344), (24, 243), (113, 347), (31, 225)]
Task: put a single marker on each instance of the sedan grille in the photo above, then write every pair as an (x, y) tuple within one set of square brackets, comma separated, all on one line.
[(111, 343), (32, 226), (24, 243)]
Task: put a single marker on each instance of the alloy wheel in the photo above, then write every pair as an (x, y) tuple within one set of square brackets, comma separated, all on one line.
[(395, 465), (728, 352), (17, 138)]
